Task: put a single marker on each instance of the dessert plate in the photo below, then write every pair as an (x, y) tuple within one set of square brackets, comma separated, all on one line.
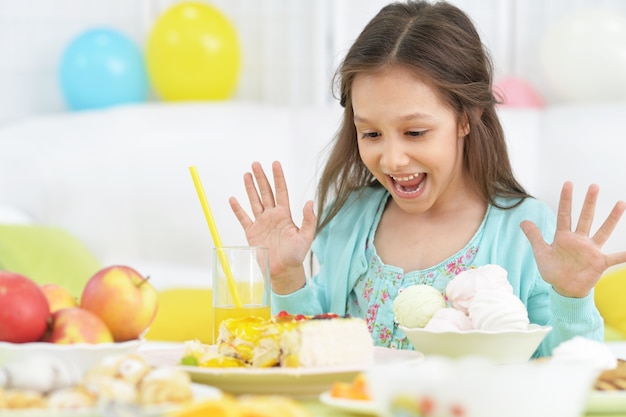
[(295, 382), (599, 402), (200, 392), (365, 407)]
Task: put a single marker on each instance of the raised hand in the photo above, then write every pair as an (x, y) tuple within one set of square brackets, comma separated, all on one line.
[(574, 262), (274, 228)]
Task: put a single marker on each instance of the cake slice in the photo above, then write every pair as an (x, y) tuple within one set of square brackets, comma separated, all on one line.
[(288, 341), (334, 342)]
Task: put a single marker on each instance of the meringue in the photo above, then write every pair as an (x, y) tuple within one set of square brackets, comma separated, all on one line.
[(415, 305), (580, 349), (464, 286), (496, 310), (449, 319)]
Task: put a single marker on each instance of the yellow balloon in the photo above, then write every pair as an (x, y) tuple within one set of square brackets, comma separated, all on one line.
[(609, 297), (193, 54)]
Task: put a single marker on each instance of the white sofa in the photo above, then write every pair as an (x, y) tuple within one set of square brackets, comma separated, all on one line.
[(118, 179)]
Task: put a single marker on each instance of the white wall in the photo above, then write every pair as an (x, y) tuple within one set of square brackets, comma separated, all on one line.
[(290, 47)]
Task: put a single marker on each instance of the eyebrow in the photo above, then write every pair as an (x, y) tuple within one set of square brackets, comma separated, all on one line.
[(412, 116)]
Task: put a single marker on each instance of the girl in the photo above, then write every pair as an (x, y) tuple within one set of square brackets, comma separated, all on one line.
[(418, 187)]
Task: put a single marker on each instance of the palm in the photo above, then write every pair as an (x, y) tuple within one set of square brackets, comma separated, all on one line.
[(273, 226), (574, 262), (275, 229)]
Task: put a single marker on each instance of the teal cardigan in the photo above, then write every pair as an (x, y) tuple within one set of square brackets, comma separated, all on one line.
[(340, 250)]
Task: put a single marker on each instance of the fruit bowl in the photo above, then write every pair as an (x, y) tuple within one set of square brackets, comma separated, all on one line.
[(500, 346), (81, 355)]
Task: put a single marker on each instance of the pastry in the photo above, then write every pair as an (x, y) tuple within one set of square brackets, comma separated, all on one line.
[(19, 399), (71, 398), (612, 379), (128, 367), (119, 380), (112, 389), (165, 385)]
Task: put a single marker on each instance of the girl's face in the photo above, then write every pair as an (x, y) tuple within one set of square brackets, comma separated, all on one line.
[(409, 139)]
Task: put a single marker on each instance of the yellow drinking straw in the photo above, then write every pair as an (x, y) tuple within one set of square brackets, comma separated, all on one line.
[(216, 237)]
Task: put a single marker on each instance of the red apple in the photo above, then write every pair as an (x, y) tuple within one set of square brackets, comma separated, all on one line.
[(77, 325), (24, 310), (123, 299), (58, 297)]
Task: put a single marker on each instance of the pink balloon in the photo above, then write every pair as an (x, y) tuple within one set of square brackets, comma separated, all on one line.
[(516, 92)]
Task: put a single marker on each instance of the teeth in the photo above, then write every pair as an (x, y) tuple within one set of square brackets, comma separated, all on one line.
[(409, 178)]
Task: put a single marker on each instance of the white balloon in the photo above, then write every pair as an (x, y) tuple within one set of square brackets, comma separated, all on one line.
[(583, 56)]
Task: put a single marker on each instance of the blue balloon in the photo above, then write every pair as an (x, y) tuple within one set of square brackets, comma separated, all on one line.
[(102, 68)]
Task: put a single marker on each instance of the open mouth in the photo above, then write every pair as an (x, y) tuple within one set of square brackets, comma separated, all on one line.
[(410, 184)]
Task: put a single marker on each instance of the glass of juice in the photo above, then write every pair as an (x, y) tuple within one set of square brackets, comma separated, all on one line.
[(244, 269)]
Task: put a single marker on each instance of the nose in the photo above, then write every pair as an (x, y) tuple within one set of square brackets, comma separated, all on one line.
[(394, 154)]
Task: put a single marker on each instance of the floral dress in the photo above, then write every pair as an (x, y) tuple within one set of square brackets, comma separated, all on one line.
[(373, 295)]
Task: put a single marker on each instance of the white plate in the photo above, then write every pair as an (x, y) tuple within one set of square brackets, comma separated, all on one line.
[(295, 382), (606, 402), (82, 355), (500, 346), (200, 392), (599, 402), (367, 407)]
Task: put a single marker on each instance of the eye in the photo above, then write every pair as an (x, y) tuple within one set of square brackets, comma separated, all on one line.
[(416, 133), (370, 135)]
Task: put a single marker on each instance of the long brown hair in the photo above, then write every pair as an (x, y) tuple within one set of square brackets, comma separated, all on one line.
[(439, 43)]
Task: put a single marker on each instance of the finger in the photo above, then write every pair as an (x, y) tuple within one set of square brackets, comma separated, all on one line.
[(265, 189), (282, 194), (604, 232), (564, 213), (253, 196), (240, 213), (308, 220), (534, 236), (588, 211), (615, 259)]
